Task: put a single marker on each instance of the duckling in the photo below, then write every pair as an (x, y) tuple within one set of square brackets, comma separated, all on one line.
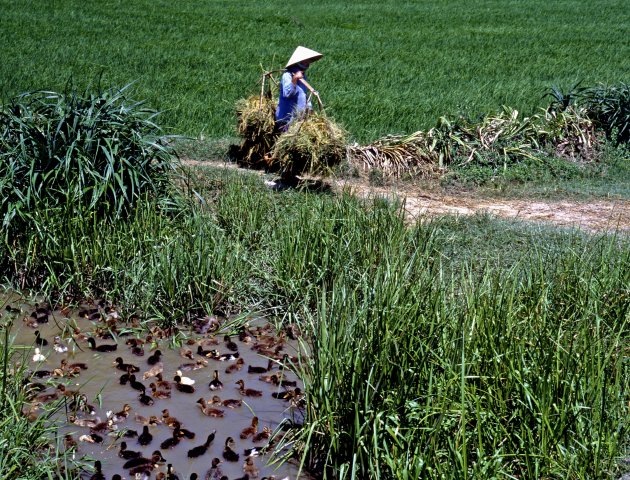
[(235, 367), (30, 322), (206, 342), (42, 342), (228, 453), (145, 399), (205, 324), (206, 353), (249, 468), (147, 462), (215, 383), (38, 356), (155, 393), (69, 442), (161, 383), (247, 392), (137, 351), (209, 411), (80, 404), (287, 395), (253, 452), (245, 336), (101, 348), (46, 397), (58, 346), (124, 378), (215, 472), (153, 371), (125, 367), (168, 419), (278, 381), (151, 421), (155, 358), (184, 380), (122, 415), (271, 353), (173, 440), (103, 427), (186, 433), (98, 473), (293, 331), (129, 433), (201, 449), (226, 357), (136, 385), (71, 366), (65, 392), (91, 438), (230, 345), (265, 434), (41, 373), (127, 454), (251, 430), (186, 353), (254, 369), (145, 437), (170, 473), (186, 367), (183, 387), (134, 342), (229, 403)]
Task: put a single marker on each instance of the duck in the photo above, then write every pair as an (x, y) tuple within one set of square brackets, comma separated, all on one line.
[(205, 324), (127, 454), (254, 369), (169, 420), (124, 378), (84, 422), (202, 449), (145, 399), (154, 358), (287, 394), (161, 383), (41, 373), (120, 416), (251, 430), (103, 427), (173, 440), (215, 472), (229, 403), (156, 458), (270, 353), (253, 452), (279, 381), (136, 385), (30, 322), (137, 351), (98, 473), (186, 433), (42, 342), (207, 353), (129, 433), (153, 371), (38, 356), (250, 468), (206, 342), (226, 357), (170, 473), (185, 352), (245, 336), (247, 392), (91, 438), (145, 437), (209, 411), (71, 366), (183, 379), (230, 345), (235, 367), (182, 387), (228, 453), (63, 391), (265, 434), (69, 442), (151, 421), (101, 348), (293, 331), (46, 397), (187, 367), (125, 367), (155, 393), (58, 345), (215, 383), (80, 403)]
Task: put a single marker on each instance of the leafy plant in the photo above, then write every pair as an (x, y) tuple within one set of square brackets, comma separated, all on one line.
[(609, 107)]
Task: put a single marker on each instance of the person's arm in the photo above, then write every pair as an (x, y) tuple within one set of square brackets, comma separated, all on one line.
[(289, 85)]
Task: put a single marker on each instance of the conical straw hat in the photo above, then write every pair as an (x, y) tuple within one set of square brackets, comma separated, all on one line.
[(301, 54)]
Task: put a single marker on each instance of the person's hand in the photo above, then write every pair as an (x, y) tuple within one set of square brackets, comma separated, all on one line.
[(297, 76)]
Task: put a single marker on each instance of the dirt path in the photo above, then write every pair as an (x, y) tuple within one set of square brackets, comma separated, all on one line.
[(593, 216)]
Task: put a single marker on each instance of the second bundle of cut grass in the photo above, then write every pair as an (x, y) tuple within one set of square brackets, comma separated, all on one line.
[(256, 127), (310, 146)]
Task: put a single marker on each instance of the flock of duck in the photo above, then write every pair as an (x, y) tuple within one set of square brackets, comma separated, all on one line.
[(148, 375)]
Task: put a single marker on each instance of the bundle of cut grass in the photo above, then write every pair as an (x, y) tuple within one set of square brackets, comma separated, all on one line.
[(256, 127), (311, 146)]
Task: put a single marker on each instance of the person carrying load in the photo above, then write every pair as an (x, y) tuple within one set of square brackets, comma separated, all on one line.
[(293, 99)]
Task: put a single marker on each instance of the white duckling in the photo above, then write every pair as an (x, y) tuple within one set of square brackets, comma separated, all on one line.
[(184, 380), (38, 357), (58, 346)]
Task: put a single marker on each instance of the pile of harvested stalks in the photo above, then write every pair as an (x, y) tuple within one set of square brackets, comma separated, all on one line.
[(256, 127), (311, 146)]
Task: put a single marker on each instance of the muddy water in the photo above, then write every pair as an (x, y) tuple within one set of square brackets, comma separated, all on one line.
[(100, 382)]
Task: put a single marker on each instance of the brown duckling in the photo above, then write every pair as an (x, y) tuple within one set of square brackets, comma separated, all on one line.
[(161, 383), (247, 392), (30, 322), (125, 367), (249, 468), (91, 438), (168, 419), (209, 411), (46, 397), (251, 430), (155, 393), (228, 453), (254, 369), (185, 352), (202, 449), (154, 358), (230, 345), (182, 387), (199, 364), (137, 351), (103, 427), (215, 472), (71, 366), (101, 348), (153, 371), (215, 383), (151, 421), (69, 442), (265, 434), (122, 415), (229, 403), (287, 395), (127, 454), (65, 392), (235, 367), (281, 382)]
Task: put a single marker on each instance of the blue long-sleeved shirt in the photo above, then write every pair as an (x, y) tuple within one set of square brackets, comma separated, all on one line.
[(292, 98)]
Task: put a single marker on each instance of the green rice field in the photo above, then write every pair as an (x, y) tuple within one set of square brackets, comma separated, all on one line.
[(389, 67)]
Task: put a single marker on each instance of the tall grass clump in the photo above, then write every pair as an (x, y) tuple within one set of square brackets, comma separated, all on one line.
[(609, 106), (78, 154), (416, 372)]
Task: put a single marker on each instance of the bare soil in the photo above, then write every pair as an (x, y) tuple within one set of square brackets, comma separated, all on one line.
[(599, 215)]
